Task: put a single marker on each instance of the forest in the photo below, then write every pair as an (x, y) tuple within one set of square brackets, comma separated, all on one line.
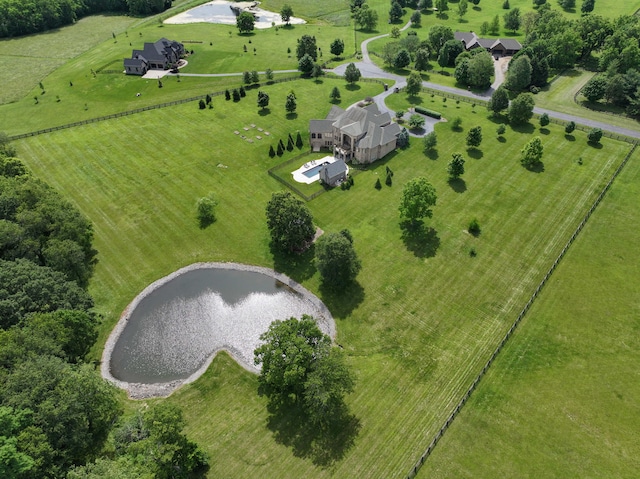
[(22, 17)]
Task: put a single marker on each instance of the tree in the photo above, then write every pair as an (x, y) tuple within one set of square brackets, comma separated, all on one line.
[(455, 168), (255, 77), (505, 5), (402, 59), (263, 100), (449, 51), (28, 288), (335, 94), (461, 72), (351, 73), (439, 35), (336, 260), (519, 74), (396, 12), (531, 153), (14, 463), (206, 210), (242, 91), (494, 28), (246, 78), (499, 101), (414, 84), (355, 4), (366, 17), (521, 109), (307, 46), (227, 95), (442, 6), (567, 4), (595, 88), (430, 141), (395, 32), (512, 20), (456, 124), (305, 64), (236, 95), (286, 356), (289, 221), (425, 4), (594, 135), (474, 137), (299, 142), (403, 138), (501, 129), (418, 197), (269, 74), (587, 6), (201, 104), (422, 60), (317, 71), (286, 12), (544, 120), (337, 47), (416, 19), (480, 70), (569, 127), (462, 8), (245, 22), (291, 104), (416, 121)]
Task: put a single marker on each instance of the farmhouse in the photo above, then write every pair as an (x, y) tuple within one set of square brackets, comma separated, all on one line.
[(160, 55), (499, 47), (358, 134)]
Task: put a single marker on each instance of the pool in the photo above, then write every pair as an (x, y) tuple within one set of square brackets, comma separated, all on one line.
[(315, 171)]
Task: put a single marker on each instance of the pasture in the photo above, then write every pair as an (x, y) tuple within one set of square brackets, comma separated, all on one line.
[(424, 315)]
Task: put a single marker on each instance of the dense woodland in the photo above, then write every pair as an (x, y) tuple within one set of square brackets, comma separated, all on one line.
[(21, 17), (58, 417)]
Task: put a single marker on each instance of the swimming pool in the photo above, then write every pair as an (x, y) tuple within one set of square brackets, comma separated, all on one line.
[(314, 171)]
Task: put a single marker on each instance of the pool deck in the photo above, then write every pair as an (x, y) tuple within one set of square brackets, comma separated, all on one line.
[(299, 174)]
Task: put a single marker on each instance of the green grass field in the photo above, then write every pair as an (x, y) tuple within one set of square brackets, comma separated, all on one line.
[(424, 315), (562, 398)]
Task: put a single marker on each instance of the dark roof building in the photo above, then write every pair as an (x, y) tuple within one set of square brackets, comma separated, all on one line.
[(501, 46), (160, 55), (333, 173)]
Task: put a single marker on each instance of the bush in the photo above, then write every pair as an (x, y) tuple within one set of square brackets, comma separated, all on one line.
[(568, 129), (378, 185), (456, 124), (201, 105), (594, 135), (427, 112), (474, 227), (206, 213), (501, 129), (388, 181)]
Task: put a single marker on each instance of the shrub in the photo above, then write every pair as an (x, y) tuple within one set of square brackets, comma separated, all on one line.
[(201, 104), (501, 129), (474, 227), (456, 124), (378, 185), (388, 181), (206, 213), (594, 135), (427, 112), (568, 129)]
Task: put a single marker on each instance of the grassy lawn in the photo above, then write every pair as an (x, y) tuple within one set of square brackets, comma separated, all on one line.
[(424, 315), (562, 398)]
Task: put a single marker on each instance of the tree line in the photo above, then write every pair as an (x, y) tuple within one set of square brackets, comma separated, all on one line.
[(22, 17), (56, 413)]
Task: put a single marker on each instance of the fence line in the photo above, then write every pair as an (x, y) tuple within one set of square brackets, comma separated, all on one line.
[(290, 161), (414, 471), (133, 112)]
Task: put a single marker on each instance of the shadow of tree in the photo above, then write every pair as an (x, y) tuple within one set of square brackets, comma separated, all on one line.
[(475, 153), (458, 185), (292, 116), (502, 139), (264, 111), (544, 131), (298, 266), (204, 223), (323, 445), (353, 87), (569, 137), (421, 240), (432, 154), (593, 144), (523, 128), (537, 168), (341, 302)]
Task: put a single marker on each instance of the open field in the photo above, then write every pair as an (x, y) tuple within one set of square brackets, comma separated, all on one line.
[(424, 315), (562, 399)]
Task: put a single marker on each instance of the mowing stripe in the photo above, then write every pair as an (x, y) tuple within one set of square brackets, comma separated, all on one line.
[(418, 465)]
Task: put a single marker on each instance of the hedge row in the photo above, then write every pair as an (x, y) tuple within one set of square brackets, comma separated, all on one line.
[(431, 113)]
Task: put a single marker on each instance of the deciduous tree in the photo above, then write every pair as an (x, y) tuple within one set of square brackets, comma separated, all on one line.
[(531, 153), (455, 168), (418, 197), (416, 121), (521, 109), (336, 260), (512, 20), (519, 74), (307, 46), (474, 137), (352, 73), (289, 221), (422, 60), (245, 22), (414, 84), (402, 59), (430, 141), (286, 12), (337, 47), (263, 99)]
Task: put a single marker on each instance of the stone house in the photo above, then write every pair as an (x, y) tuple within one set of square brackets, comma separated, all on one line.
[(359, 134), (161, 55), (499, 47)]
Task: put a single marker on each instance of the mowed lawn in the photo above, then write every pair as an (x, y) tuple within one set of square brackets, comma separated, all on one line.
[(563, 398), (424, 316)]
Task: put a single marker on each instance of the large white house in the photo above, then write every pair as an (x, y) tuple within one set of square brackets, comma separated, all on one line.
[(358, 134)]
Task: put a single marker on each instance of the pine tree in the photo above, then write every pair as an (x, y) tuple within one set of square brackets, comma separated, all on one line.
[(272, 152)]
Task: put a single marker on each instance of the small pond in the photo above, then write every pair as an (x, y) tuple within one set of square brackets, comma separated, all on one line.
[(170, 333)]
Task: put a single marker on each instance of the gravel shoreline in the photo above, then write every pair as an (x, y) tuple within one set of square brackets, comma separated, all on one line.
[(143, 391)]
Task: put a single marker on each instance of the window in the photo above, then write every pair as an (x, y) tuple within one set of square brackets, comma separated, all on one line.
[(319, 135), (313, 135)]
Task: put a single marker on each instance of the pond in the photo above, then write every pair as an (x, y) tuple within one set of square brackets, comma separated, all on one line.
[(172, 331), (219, 11)]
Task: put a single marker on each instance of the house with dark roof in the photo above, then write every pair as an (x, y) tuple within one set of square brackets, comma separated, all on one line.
[(358, 134), (333, 173), (499, 47), (161, 55)]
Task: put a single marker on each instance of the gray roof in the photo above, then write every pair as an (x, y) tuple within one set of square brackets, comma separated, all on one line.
[(321, 126), (334, 113), (471, 40), (334, 170), (134, 62), (509, 43)]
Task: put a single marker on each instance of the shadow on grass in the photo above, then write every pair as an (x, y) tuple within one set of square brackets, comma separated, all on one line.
[(537, 168), (292, 116), (569, 137), (421, 240), (596, 145), (204, 223), (502, 139), (432, 154), (264, 111), (458, 185), (523, 128), (324, 446), (341, 302), (544, 131), (475, 153), (353, 87), (298, 266), (414, 100)]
